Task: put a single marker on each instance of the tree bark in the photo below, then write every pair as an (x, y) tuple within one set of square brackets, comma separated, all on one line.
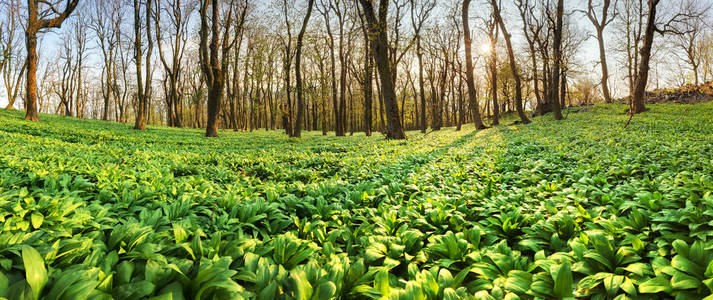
[(379, 42), (557, 61), (637, 102), (472, 97), (34, 25), (599, 27), (297, 131), (513, 65)]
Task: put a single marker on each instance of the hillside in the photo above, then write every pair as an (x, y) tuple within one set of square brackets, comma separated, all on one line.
[(688, 94), (580, 207)]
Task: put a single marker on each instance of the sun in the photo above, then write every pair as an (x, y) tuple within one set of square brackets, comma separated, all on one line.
[(485, 48)]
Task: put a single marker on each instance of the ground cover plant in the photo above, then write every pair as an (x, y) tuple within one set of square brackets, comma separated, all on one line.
[(580, 208)]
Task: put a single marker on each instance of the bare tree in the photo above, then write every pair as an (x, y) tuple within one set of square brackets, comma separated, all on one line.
[(105, 22), (532, 29), (298, 73), (674, 24), (491, 29), (178, 14), (286, 108), (214, 53), (10, 51), (143, 88), (472, 94), (40, 15), (380, 43), (513, 63), (599, 25), (688, 42), (420, 11), (80, 45), (557, 52)]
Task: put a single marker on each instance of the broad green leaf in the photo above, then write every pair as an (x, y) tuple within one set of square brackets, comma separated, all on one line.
[(563, 281), (325, 291), (302, 287), (35, 271), (655, 285), (683, 281), (37, 219)]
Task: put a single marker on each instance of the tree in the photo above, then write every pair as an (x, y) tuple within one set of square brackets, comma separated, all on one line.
[(689, 41), (298, 60), (79, 43), (286, 109), (532, 28), (380, 42), (472, 97), (214, 52), (599, 25), (675, 24), (493, 32), (49, 17), (420, 11), (557, 52), (105, 22), (367, 83), (513, 63), (178, 14), (10, 54), (143, 92)]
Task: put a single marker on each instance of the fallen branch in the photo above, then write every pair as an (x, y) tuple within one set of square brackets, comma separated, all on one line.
[(631, 115)]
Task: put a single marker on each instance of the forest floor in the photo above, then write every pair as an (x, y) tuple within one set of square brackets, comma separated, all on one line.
[(581, 207)]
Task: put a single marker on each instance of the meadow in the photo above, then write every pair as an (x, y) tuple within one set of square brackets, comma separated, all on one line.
[(579, 208)]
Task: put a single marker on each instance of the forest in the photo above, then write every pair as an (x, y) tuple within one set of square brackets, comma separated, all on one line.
[(356, 149), (327, 65)]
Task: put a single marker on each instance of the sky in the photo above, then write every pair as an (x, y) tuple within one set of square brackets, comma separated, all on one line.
[(587, 55)]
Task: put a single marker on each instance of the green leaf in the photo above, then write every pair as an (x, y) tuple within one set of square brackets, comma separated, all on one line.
[(124, 271), (685, 265), (175, 289), (638, 268), (518, 281), (179, 233), (655, 285), (325, 291), (4, 284), (302, 287), (36, 219), (612, 283), (165, 296), (563, 281), (450, 294), (81, 290), (684, 281), (35, 271), (62, 284), (628, 286)]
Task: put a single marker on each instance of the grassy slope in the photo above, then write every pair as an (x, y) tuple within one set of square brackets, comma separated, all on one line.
[(104, 190)]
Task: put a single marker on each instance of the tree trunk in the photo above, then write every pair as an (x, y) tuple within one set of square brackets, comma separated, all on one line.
[(380, 44), (34, 24), (637, 102), (422, 93), (297, 131), (472, 97), (494, 82), (368, 88), (31, 45), (513, 65), (557, 61), (140, 122), (605, 69)]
